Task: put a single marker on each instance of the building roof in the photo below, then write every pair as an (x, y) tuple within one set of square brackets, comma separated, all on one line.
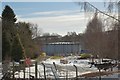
[(65, 43)]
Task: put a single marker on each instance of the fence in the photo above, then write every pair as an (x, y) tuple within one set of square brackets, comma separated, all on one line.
[(48, 71), (43, 71)]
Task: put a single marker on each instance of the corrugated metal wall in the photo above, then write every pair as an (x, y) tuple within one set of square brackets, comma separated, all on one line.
[(64, 49)]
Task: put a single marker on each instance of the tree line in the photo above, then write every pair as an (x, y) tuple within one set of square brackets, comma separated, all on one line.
[(102, 33), (54, 37), (101, 41), (17, 37), (96, 38)]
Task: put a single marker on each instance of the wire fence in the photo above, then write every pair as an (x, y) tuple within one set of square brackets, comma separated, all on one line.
[(44, 71)]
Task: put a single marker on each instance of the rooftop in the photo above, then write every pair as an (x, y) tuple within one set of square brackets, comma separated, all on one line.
[(65, 43)]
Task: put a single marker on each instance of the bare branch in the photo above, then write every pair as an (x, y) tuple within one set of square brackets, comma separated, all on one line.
[(85, 4)]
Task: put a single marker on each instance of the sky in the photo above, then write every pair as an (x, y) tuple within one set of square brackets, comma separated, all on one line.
[(52, 17), (57, 0)]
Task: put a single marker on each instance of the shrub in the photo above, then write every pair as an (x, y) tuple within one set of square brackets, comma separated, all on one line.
[(85, 55)]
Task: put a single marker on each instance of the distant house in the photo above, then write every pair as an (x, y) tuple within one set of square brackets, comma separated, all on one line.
[(62, 48)]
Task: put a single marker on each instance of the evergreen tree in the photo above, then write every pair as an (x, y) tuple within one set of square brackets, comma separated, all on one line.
[(11, 41), (8, 14), (16, 50), (9, 31)]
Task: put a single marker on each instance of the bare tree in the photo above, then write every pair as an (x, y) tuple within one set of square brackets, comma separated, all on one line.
[(107, 43), (36, 32), (93, 36), (111, 7)]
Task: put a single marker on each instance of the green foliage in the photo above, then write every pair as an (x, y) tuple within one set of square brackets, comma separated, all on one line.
[(25, 33), (11, 45), (8, 14), (42, 56), (85, 55), (5, 46), (8, 30), (17, 53)]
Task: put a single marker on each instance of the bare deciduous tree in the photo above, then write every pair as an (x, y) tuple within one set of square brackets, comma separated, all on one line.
[(93, 36)]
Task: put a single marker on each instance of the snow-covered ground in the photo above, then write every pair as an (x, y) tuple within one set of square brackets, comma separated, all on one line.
[(63, 70)]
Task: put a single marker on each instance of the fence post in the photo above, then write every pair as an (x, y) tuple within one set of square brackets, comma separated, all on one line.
[(36, 69), (29, 71), (44, 71), (24, 70), (55, 66), (13, 69), (67, 75), (76, 72)]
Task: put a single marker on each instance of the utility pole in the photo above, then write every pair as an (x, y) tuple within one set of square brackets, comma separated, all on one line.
[(119, 10), (119, 36)]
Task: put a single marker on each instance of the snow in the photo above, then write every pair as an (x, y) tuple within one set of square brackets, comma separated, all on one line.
[(63, 69)]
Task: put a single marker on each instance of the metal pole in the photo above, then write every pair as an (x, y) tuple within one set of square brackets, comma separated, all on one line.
[(76, 72), (29, 71), (13, 70), (44, 71), (36, 69), (100, 74), (119, 10), (118, 38), (24, 70), (66, 75), (55, 66)]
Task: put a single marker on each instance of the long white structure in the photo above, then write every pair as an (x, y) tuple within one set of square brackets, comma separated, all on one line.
[(62, 48)]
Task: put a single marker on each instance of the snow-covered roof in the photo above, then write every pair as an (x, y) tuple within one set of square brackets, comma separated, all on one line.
[(65, 43)]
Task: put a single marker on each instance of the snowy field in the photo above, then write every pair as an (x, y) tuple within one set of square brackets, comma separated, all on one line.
[(62, 71)]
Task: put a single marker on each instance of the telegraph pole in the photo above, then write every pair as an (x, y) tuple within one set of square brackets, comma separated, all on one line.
[(119, 36)]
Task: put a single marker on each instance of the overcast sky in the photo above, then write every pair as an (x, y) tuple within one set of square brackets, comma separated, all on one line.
[(52, 17)]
